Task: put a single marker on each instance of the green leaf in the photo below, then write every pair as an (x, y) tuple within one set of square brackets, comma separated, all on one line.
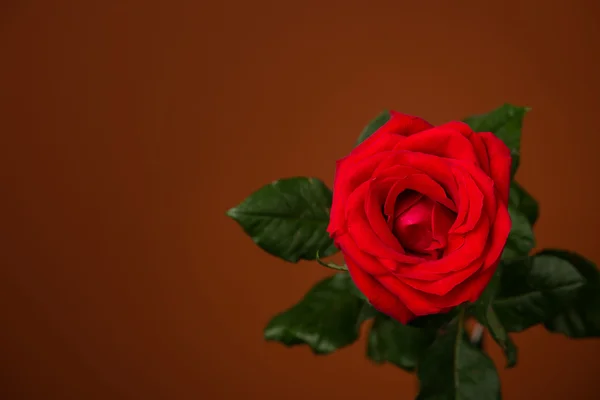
[(367, 312), (535, 289), (400, 345), (521, 239), (375, 124), (356, 292), (523, 202), (485, 314), (506, 123), (435, 321), (582, 318), (326, 319), (454, 369), (288, 218)]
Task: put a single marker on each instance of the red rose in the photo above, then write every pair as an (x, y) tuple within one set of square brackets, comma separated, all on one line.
[(420, 214)]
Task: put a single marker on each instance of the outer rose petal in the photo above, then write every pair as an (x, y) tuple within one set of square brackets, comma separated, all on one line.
[(500, 162), (475, 285), (482, 153), (387, 135), (367, 262), (420, 302), (437, 168), (405, 125), (441, 142), (348, 176), (476, 141), (379, 297), (498, 235)]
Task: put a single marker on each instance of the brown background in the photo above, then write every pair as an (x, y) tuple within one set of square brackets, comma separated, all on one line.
[(129, 127)]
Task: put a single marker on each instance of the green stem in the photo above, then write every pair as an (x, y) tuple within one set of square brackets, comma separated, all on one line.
[(330, 265), (460, 329)]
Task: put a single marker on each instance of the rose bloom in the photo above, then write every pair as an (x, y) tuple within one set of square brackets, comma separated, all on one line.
[(420, 214)]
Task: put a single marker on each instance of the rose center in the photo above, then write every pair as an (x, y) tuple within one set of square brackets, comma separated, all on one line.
[(421, 224)]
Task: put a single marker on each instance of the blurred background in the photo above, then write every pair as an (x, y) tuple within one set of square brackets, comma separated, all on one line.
[(129, 127)]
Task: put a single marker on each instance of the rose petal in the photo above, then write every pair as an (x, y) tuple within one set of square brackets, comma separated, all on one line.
[(422, 303), (369, 264), (483, 182), (405, 125), (380, 141), (376, 194), (421, 183), (446, 282), (474, 245), (476, 141), (362, 233), (500, 163), (380, 298), (482, 154), (348, 176), (458, 126), (389, 134), (471, 203), (413, 226), (442, 142), (462, 200), (438, 169), (441, 221), (399, 200), (498, 235), (472, 287), (418, 302)]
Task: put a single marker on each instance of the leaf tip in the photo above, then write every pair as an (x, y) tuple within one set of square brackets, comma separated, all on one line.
[(272, 331), (231, 213), (511, 360)]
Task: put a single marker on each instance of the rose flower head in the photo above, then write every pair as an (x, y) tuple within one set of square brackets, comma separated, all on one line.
[(420, 214)]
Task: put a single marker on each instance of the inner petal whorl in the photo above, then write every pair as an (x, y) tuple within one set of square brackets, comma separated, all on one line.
[(421, 224)]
